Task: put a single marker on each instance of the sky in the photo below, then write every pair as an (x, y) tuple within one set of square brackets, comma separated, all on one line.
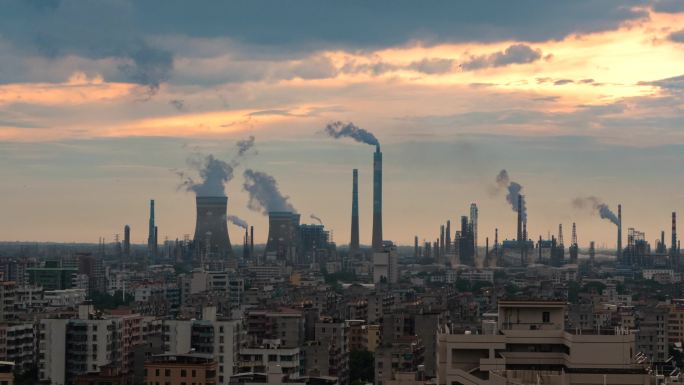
[(103, 104)]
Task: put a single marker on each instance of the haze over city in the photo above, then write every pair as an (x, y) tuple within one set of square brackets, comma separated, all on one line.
[(98, 112), (341, 192)]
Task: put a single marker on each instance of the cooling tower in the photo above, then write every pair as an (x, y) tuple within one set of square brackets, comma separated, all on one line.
[(211, 229), (283, 235), (377, 200)]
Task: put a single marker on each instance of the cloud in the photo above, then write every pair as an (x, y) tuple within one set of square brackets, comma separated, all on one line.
[(677, 37), (178, 104), (514, 54), (668, 6), (136, 35), (432, 66), (675, 83), (562, 82)]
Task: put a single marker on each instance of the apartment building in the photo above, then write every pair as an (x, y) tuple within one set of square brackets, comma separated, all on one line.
[(69, 348), (17, 345), (181, 369), (530, 344), (215, 338)]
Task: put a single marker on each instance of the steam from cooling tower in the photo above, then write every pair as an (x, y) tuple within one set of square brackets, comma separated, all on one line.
[(214, 174), (598, 206), (513, 189), (317, 219), (350, 130), (264, 194), (237, 221)]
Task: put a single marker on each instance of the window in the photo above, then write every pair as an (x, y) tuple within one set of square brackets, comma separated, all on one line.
[(184, 373), (156, 372), (194, 373), (546, 317), (167, 372)]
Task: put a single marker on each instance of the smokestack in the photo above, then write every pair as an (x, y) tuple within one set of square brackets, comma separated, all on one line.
[(520, 234), (211, 230), (674, 237), (251, 241), (441, 240), (354, 243), (156, 241), (496, 243), (473, 223), (127, 241), (245, 245), (377, 199), (415, 247), (619, 233), (151, 232), (448, 237)]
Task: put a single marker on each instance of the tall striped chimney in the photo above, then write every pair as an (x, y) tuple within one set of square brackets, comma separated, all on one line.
[(354, 242), (619, 233), (377, 200), (673, 250)]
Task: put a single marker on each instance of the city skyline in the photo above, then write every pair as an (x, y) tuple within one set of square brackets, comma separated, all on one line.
[(585, 100)]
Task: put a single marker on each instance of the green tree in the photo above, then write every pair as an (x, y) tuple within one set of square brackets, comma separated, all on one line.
[(361, 366), (106, 301)]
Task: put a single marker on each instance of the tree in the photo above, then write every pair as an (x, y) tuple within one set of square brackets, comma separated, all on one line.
[(103, 301), (361, 366)]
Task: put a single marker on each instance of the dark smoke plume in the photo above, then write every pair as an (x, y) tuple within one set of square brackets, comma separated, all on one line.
[(264, 194), (596, 205), (513, 192), (237, 221), (317, 219), (350, 130), (502, 179), (245, 145)]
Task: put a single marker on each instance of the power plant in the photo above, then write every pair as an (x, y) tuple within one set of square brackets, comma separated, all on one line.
[(211, 229)]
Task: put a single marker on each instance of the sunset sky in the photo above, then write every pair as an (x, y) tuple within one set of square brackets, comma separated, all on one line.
[(103, 102)]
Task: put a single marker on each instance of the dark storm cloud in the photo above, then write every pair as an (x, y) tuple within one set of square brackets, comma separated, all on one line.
[(128, 31), (515, 54), (382, 23), (668, 6), (95, 30)]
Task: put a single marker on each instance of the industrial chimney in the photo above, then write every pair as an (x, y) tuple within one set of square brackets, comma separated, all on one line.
[(619, 234), (354, 242), (520, 234), (152, 233), (377, 200), (211, 229)]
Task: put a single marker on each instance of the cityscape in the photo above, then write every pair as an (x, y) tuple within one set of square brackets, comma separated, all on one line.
[(341, 193)]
